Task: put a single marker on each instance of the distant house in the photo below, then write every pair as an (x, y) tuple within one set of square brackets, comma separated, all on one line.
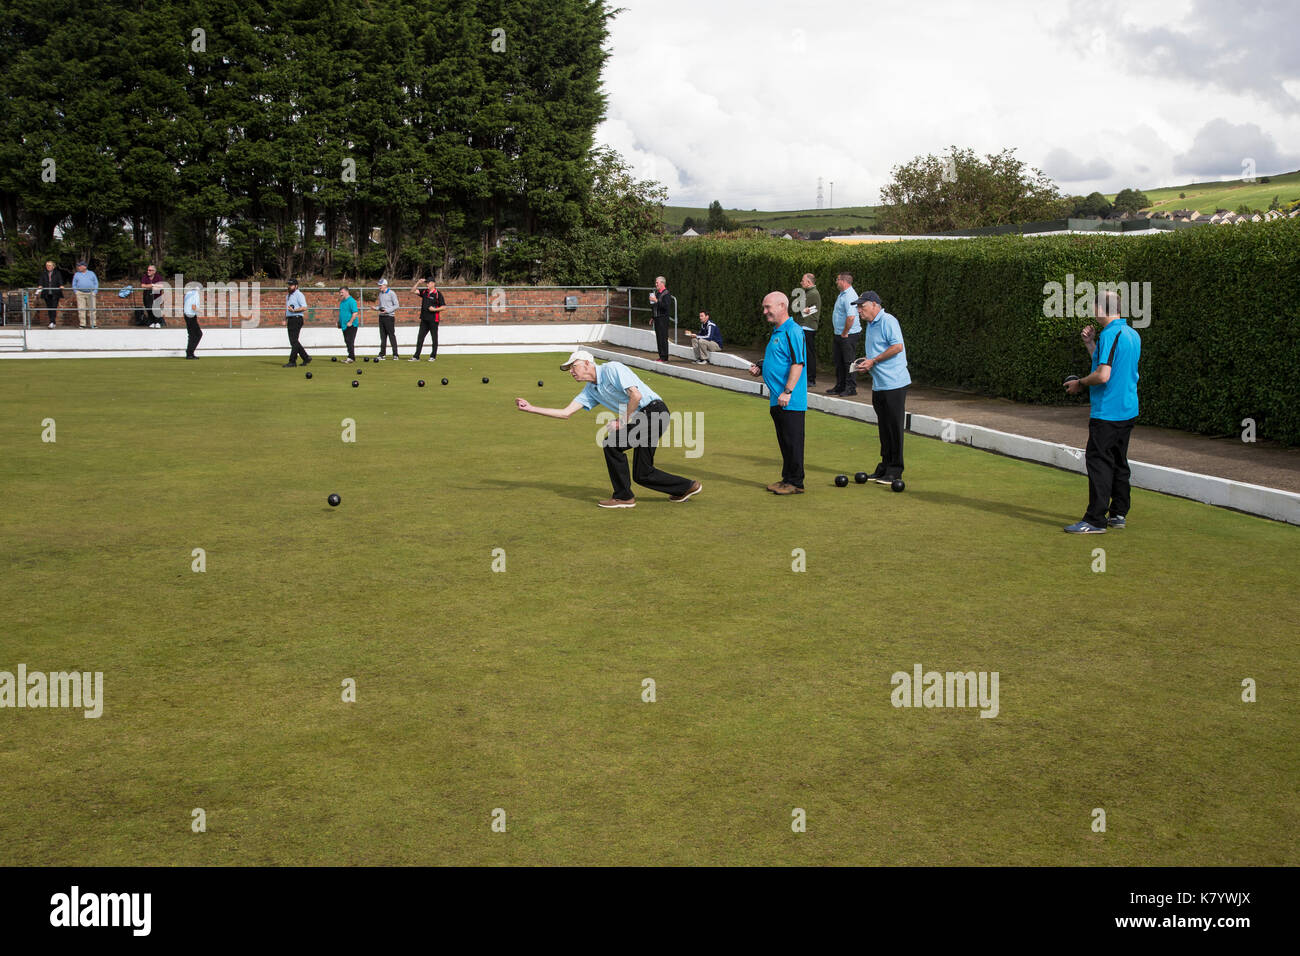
[(1271, 215), (690, 234), (1294, 212)]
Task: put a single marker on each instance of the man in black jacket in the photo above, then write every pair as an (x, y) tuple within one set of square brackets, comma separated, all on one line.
[(662, 308), (49, 289)]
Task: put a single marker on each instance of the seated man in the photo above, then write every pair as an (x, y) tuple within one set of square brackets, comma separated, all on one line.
[(708, 339)]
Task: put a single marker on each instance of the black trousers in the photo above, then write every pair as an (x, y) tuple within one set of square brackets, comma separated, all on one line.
[(642, 433), (1108, 473), (349, 339), (294, 325), (150, 315), (661, 335), (891, 415), (846, 350), (427, 327), (195, 333), (808, 346), (387, 333), (51, 308), (789, 437)]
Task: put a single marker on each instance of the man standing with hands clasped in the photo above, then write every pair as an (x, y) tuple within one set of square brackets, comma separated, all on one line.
[(1113, 388), (295, 304), (848, 332), (387, 309), (782, 369)]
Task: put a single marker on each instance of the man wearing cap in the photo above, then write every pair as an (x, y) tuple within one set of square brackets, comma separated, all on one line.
[(661, 309), (295, 304), (387, 308), (618, 388), (431, 303), (886, 360), (782, 369), (848, 333), (85, 286), (1113, 388)]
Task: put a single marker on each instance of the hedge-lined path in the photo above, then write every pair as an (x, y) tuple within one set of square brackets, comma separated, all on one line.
[(1259, 463)]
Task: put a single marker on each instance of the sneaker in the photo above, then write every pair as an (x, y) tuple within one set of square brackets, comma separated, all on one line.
[(617, 503), (191, 357), (834, 391), (51, 325), (876, 475), (701, 362), (306, 361), (1082, 527), (415, 359), (694, 489), (289, 365), (1116, 521), (348, 361), (784, 488), (775, 485), (882, 479), (847, 394), (395, 357), (433, 360)]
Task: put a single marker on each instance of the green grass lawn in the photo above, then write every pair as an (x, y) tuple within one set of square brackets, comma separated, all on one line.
[(522, 690)]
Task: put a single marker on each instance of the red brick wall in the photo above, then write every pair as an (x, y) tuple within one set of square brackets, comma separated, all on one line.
[(465, 306)]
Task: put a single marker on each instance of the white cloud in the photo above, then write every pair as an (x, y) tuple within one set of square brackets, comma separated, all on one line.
[(749, 103)]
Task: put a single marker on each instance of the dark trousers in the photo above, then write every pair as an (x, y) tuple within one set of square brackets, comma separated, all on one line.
[(51, 309), (808, 346), (846, 350), (789, 437), (661, 335), (387, 333), (1108, 472), (152, 316), (294, 325), (642, 433), (427, 327), (349, 339), (195, 333), (891, 414)]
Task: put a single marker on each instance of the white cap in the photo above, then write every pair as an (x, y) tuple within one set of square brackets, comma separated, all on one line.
[(383, 282), (582, 355)]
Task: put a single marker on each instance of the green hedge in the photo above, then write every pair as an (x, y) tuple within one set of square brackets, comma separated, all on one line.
[(1223, 343)]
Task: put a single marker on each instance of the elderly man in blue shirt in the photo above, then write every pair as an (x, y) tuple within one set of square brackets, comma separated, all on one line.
[(85, 286), (783, 373), (193, 298), (886, 360), (848, 333), (295, 304), (640, 419), (1113, 388)]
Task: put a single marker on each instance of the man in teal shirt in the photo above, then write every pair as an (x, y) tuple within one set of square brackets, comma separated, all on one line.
[(782, 369), (349, 321), (1113, 388)]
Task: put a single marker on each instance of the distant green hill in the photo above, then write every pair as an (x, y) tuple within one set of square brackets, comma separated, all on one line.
[(1207, 197), (1203, 197), (840, 219)]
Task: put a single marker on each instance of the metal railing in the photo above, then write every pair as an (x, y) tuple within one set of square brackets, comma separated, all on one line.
[(242, 302)]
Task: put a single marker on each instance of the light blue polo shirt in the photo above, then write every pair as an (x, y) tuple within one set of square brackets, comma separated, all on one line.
[(192, 303), (613, 379), (295, 303), (1120, 347), (786, 348), (882, 332), (844, 310)]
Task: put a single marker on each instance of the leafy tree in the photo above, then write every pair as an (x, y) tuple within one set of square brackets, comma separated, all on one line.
[(933, 194), (1095, 204), (1130, 201)]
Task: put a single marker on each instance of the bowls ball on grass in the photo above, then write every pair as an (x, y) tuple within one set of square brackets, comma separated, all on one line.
[(355, 383), (897, 485), (334, 501), (485, 380), (444, 381), (841, 481), (860, 477), (420, 383), (309, 374)]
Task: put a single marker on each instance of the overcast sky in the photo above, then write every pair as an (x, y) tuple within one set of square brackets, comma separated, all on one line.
[(749, 101)]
